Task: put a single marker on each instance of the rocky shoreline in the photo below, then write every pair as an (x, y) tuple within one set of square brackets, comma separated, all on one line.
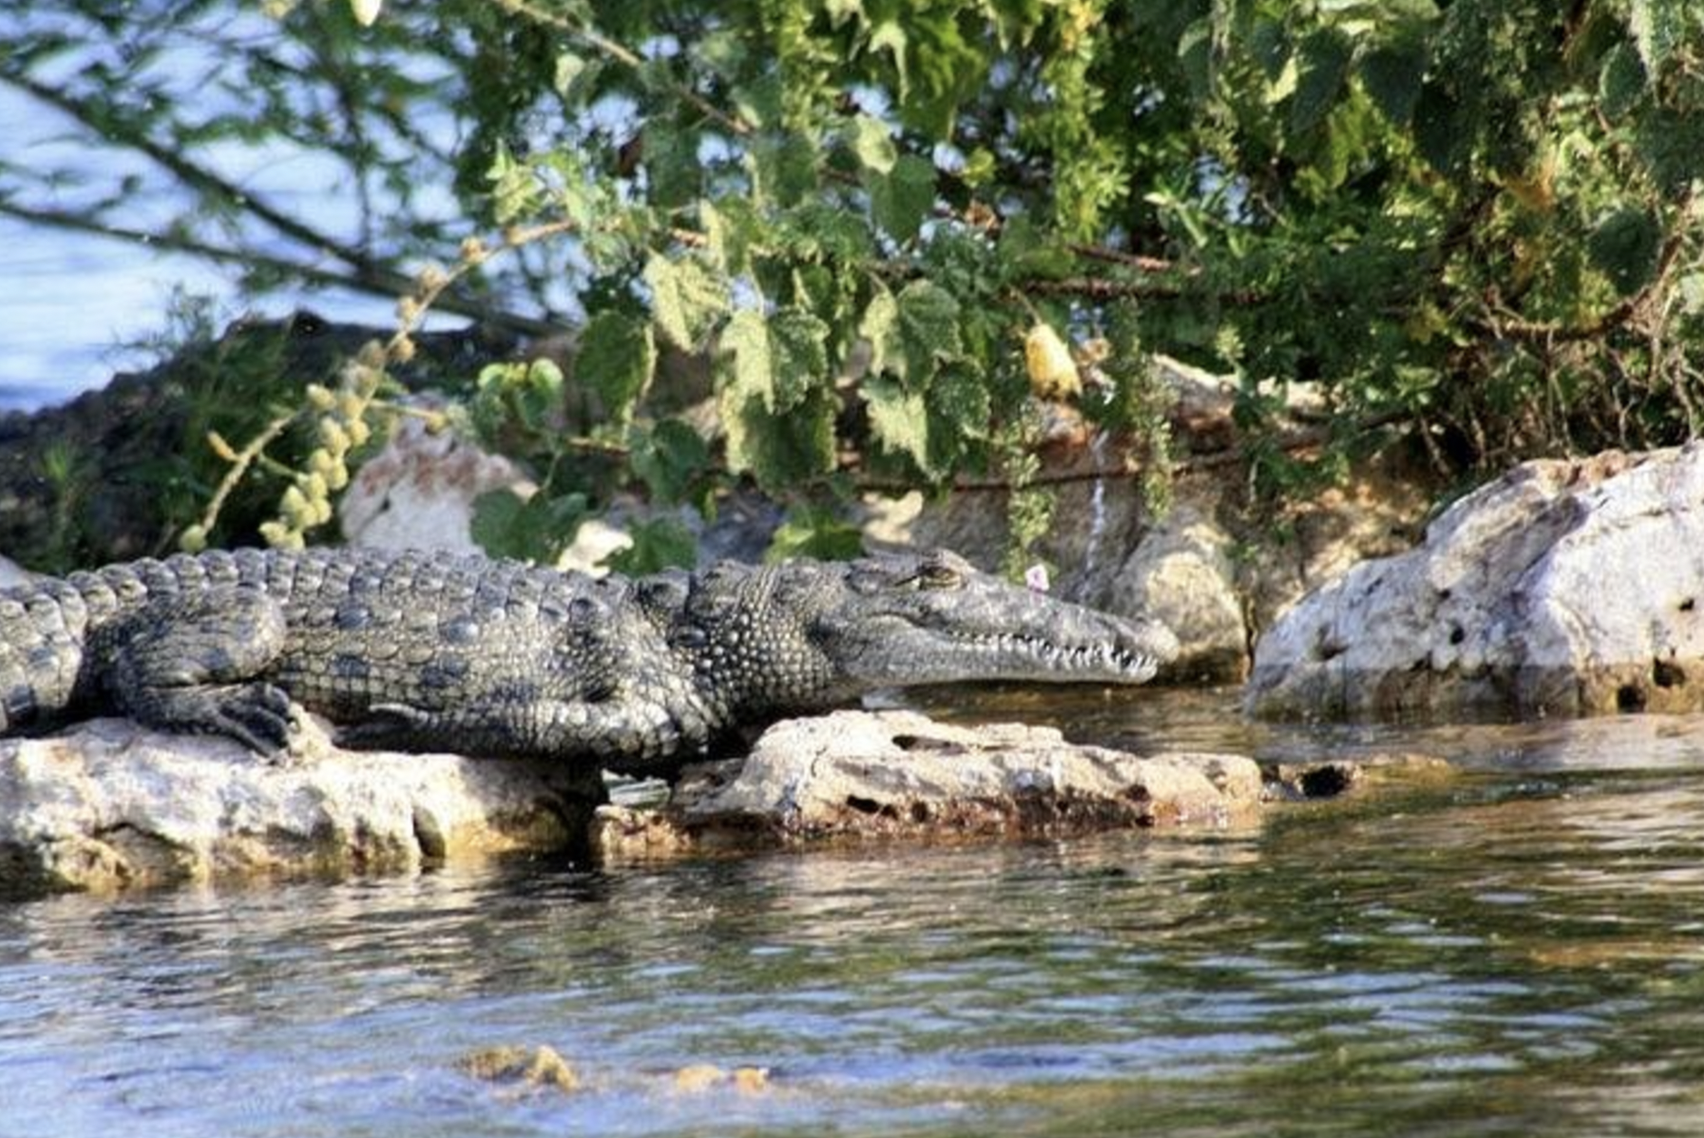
[(1565, 587)]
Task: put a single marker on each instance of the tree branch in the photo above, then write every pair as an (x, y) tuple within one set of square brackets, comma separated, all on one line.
[(390, 289), (205, 181)]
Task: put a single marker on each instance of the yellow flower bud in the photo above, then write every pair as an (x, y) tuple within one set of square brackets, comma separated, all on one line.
[(336, 439), (295, 508)]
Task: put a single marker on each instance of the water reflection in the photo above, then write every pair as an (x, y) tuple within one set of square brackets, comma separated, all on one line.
[(1515, 951)]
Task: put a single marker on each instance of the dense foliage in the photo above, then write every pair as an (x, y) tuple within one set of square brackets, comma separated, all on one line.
[(893, 227)]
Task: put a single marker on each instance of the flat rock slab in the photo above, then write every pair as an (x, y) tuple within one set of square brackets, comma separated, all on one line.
[(1563, 587), (111, 805), (855, 775)]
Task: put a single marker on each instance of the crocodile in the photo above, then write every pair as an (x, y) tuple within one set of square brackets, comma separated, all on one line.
[(421, 651)]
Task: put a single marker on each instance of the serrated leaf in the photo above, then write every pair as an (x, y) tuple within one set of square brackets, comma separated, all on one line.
[(616, 359), (1324, 64), (1657, 27), (1269, 44), (902, 199), (779, 451), (798, 343), (668, 458), (888, 36), (929, 328), (730, 229), (570, 69), (899, 420), (1621, 83), (1671, 145), (1392, 74), (783, 169), (530, 529), (814, 532), (515, 189), (880, 329), (1437, 130), (674, 175), (686, 299), (1626, 246), (960, 409), (752, 377), (658, 544), (872, 143)]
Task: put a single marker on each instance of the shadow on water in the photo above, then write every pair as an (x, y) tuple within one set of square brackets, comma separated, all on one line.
[(1516, 950)]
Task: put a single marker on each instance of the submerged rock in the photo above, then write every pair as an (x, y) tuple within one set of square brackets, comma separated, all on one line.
[(1564, 587), (110, 804), (859, 774)]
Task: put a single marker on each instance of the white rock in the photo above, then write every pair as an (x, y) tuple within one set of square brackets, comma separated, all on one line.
[(1182, 575), (110, 804), (860, 774), (418, 492), (1562, 587)]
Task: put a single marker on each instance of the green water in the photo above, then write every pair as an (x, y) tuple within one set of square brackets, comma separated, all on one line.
[(1518, 949)]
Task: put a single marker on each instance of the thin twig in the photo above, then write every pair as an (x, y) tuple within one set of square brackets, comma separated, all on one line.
[(389, 286), (627, 58)]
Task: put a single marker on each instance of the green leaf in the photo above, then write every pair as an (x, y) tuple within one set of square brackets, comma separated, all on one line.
[(515, 188), (1438, 129), (668, 458), (783, 169), (1658, 26), (811, 531), (1324, 64), (658, 544), (1621, 83), (674, 174), (888, 36), (1029, 254), (746, 339), (1626, 246), (537, 397), (777, 360), (929, 328), (872, 143), (616, 359), (899, 421), (1392, 74), (1671, 144), (880, 328), (575, 76), (730, 230), (902, 199), (779, 451), (528, 393), (798, 342), (537, 529), (686, 299)]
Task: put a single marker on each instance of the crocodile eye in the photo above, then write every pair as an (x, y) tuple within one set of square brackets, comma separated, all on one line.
[(935, 575)]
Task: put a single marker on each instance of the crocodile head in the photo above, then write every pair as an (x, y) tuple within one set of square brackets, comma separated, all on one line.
[(804, 635)]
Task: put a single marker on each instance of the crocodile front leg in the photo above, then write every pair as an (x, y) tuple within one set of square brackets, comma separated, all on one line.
[(621, 730), (196, 664)]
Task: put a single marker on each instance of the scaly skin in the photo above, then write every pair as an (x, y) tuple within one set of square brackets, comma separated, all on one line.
[(418, 651)]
